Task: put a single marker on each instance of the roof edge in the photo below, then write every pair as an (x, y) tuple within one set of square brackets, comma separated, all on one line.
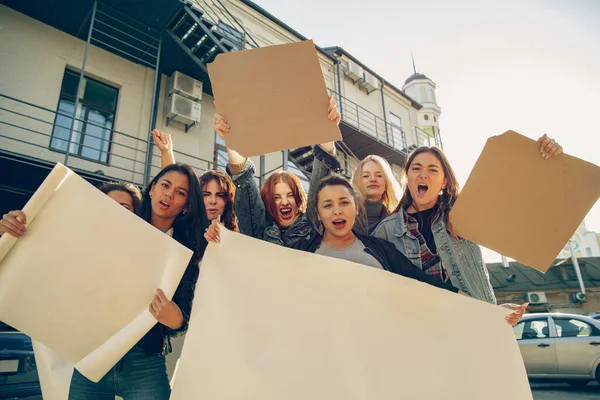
[(282, 24)]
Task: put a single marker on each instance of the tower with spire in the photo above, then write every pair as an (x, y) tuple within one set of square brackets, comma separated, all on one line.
[(422, 89)]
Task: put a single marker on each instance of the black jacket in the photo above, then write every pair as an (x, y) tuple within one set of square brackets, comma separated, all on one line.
[(157, 340), (388, 256)]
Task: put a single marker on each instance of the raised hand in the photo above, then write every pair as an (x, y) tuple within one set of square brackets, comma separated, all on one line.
[(549, 147)]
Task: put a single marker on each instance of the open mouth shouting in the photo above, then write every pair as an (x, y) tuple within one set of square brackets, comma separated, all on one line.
[(285, 213), (422, 189), (339, 223)]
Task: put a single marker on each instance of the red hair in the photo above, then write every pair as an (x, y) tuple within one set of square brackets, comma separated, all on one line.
[(267, 192)]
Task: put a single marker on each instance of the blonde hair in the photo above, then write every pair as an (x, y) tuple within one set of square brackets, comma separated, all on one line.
[(393, 190)]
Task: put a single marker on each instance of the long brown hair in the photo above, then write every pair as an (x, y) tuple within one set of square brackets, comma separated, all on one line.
[(229, 219), (267, 192), (449, 194)]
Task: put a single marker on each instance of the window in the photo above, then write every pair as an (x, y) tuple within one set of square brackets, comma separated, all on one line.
[(423, 94), (233, 35), (570, 327), (293, 168), (221, 157), (396, 124), (92, 132), (532, 329)]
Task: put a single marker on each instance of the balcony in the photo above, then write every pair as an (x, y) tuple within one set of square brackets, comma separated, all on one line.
[(366, 133), (26, 138)]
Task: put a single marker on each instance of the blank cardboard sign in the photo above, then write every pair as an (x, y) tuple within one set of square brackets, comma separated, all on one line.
[(521, 205), (274, 98)]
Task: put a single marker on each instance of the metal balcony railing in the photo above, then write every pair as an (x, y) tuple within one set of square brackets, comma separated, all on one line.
[(369, 123), (27, 129)]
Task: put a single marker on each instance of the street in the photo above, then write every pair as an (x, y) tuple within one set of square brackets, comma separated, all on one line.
[(563, 391)]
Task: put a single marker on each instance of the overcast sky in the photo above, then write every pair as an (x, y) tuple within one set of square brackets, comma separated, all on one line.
[(532, 66)]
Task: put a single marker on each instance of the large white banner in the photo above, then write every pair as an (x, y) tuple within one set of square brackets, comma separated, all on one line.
[(274, 323), (80, 280)]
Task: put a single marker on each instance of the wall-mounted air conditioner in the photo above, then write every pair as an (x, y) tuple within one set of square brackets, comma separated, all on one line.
[(184, 110), (185, 86), (353, 71), (536, 298), (369, 82)]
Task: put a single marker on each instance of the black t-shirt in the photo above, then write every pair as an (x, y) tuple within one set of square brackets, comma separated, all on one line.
[(425, 220)]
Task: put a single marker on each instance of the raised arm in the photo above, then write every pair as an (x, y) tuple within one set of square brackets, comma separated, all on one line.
[(165, 145), (324, 163), (248, 206)]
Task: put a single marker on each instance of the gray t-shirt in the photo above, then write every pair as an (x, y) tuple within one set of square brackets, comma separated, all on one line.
[(355, 252)]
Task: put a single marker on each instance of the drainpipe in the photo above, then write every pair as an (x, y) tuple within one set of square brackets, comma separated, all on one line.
[(153, 114), (577, 270), (339, 78), (387, 137), (81, 75)]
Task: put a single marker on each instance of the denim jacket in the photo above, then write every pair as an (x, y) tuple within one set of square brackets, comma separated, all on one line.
[(253, 220), (461, 258)]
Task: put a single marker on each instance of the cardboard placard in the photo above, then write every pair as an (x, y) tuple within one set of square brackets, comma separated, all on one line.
[(521, 205), (274, 98)]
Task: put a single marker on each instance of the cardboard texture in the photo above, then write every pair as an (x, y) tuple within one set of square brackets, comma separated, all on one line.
[(274, 98), (271, 323), (521, 205), (80, 280)]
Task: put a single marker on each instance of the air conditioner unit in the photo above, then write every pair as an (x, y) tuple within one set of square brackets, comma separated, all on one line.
[(184, 110), (185, 86), (369, 82), (536, 298), (353, 71)]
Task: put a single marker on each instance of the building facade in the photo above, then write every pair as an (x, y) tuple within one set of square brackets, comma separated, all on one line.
[(558, 290), (84, 82), (584, 242)]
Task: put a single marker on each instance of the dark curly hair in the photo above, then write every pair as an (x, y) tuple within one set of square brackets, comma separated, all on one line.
[(229, 219)]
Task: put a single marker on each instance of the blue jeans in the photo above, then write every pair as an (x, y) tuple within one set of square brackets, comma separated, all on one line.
[(135, 377)]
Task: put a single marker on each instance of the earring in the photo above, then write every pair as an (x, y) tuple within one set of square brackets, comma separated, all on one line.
[(184, 212)]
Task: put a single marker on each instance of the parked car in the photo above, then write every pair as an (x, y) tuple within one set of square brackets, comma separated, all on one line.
[(594, 315), (18, 372), (560, 346)]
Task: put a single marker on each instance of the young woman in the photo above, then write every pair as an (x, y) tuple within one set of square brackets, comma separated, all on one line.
[(124, 193), (379, 188), (218, 189), (172, 203), (420, 229), (276, 213), (337, 209)]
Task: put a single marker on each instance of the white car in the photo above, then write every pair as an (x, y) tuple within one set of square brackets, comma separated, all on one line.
[(560, 346)]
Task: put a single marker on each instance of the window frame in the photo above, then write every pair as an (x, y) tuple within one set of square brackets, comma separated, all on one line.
[(84, 120), (594, 333), (529, 321)]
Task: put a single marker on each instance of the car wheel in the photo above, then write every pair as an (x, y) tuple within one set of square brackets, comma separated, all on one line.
[(578, 383)]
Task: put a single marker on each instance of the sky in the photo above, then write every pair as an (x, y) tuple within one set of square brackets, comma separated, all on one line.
[(532, 66)]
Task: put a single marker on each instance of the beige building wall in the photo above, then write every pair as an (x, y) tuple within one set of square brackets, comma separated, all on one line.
[(558, 301), (33, 62), (23, 76)]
